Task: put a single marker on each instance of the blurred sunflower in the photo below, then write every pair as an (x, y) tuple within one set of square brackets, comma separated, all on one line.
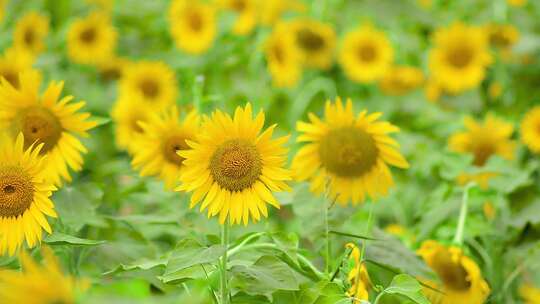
[(233, 169), (271, 11), (30, 33), (529, 294), (152, 82), (459, 58), (45, 120), (127, 114), (495, 90), (516, 3), (284, 60), (92, 39), (155, 153), (461, 279), (502, 36), (247, 14), (315, 40), (39, 284), (105, 5), (366, 54), (530, 129), (3, 4), (349, 154), (113, 68), (192, 25), (358, 276), (492, 137), (400, 80), (24, 194), (14, 62), (432, 91)]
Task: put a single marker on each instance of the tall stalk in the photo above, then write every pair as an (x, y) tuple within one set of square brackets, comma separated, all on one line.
[(224, 299)]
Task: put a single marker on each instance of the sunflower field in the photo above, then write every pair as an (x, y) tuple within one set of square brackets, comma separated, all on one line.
[(270, 151)]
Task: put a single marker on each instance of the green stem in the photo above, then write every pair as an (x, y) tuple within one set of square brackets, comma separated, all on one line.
[(244, 242), (327, 237), (197, 92), (223, 270), (363, 249), (458, 237)]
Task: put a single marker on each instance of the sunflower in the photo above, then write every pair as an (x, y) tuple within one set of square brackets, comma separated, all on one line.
[(193, 25), (492, 137), (39, 283), (502, 36), (105, 5), (480, 178), (461, 279), (530, 129), (30, 33), (233, 169), (152, 82), (3, 4), (358, 290), (246, 11), (495, 90), (24, 194), (459, 58), (45, 120), (517, 3), (164, 135), (113, 68), (315, 41), (272, 10), (284, 60), (347, 154), (366, 54), (127, 114), (14, 62), (432, 91), (92, 39), (400, 80), (529, 294)]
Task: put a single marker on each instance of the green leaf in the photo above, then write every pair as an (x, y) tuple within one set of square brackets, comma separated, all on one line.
[(406, 286), (59, 238), (288, 243), (143, 264)]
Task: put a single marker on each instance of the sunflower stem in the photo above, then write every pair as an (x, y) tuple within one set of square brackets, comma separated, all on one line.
[(223, 264), (327, 237), (458, 237), (197, 92)]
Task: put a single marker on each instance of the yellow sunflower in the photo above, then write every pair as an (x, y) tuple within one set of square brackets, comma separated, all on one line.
[(24, 194), (233, 169), (3, 4), (495, 90), (459, 58), (460, 278), (482, 140), (39, 284), (113, 68), (272, 10), (30, 33), (44, 119), (127, 114), (400, 80), (315, 40), (92, 39), (193, 25), (152, 82), (502, 36), (358, 290), (432, 91), (530, 129), (155, 153), (529, 294), (516, 3), (13, 63), (284, 60), (247, 14), (349, 154), (366, 54)]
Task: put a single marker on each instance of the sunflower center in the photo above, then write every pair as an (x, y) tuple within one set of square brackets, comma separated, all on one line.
[(460, 56), (149, 88), (39, 125), (451, 274), (195, 21), (88, 35), (11, 77), (277, 50), (309, 40), (236, 165), (16, 191), (482, 153), (348, 152), (366, 53), (238, 5), (29, 37), (498, 39), (170, 148)]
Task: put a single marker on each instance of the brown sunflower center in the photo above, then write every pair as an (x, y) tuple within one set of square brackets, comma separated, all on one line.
[(348, 152), (460, 56), (236, 165), (89, 35), (366, 53), (195, 21), (277, 50), (482, 152), (29, 37), (452, 275), (498, 39), (11, 77), (238, 5), (16, 191), (39, 125), (111, 73), (149, 88), (171, 146), (309, 40)]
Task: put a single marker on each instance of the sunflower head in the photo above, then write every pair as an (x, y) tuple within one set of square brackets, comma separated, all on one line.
[(233, 168), (127, 114), (91, 40), (347, 154), (483, 140), (30, 32), (517, 3), (12, 63), (502, 36), (460, 278), (113, 68), (192, 25), (271, 10), (400, 80), (460, 55), (366, 54), (315, 40), (529, 293), (530, 129), (283, 58), (246, 14)]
